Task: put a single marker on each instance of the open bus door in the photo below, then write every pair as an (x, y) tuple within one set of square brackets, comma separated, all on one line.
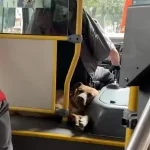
[(127, 4)]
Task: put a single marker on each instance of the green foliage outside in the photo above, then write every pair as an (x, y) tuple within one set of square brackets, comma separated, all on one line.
[(107, 12)]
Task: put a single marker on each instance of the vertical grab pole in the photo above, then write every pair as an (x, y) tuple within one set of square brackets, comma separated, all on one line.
[(75, 57), (132, 106), (140, 139)]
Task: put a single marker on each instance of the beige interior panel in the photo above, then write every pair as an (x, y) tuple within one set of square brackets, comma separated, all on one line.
[(26, 72)]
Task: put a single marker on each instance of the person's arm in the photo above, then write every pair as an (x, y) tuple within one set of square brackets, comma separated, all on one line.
[(114, 57)]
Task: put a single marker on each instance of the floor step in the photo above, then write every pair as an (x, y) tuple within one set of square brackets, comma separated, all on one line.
[(44, 133)]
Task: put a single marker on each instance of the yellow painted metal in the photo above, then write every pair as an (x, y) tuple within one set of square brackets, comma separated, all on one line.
[(32, 110), (34, 37), (76, 55), (70, 138), (128, 136), (132, 106), (54, 76)]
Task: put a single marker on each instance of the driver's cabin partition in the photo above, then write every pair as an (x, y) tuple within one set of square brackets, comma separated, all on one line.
[(30, 31)]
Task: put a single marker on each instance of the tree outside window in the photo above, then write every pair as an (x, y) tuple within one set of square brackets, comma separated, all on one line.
[(107, 12)]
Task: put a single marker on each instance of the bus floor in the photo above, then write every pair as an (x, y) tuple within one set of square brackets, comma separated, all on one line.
[(30, 133)]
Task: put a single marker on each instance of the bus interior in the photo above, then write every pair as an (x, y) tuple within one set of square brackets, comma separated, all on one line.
[(38, 58)]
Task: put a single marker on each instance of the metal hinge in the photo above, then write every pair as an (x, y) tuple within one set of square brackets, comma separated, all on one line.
[(129, 119), (75, 38), (62, 112)]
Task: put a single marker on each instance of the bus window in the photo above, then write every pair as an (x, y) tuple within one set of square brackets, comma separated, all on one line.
[(107, 12), (18, 22), (37, 17), (141, 2)]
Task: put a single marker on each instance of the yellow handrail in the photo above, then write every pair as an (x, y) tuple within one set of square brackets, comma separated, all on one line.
[(34, 37), (76, 55), (132, 106)]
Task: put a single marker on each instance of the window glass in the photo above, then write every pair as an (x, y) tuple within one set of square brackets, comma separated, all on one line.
[(141, 2), (18, 22), (107, 12), (37, 17)]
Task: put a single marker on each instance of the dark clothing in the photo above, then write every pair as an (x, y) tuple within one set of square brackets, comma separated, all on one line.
[(49, 21), (103, 76), (95, 46), (80, 74), (5, 127)]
